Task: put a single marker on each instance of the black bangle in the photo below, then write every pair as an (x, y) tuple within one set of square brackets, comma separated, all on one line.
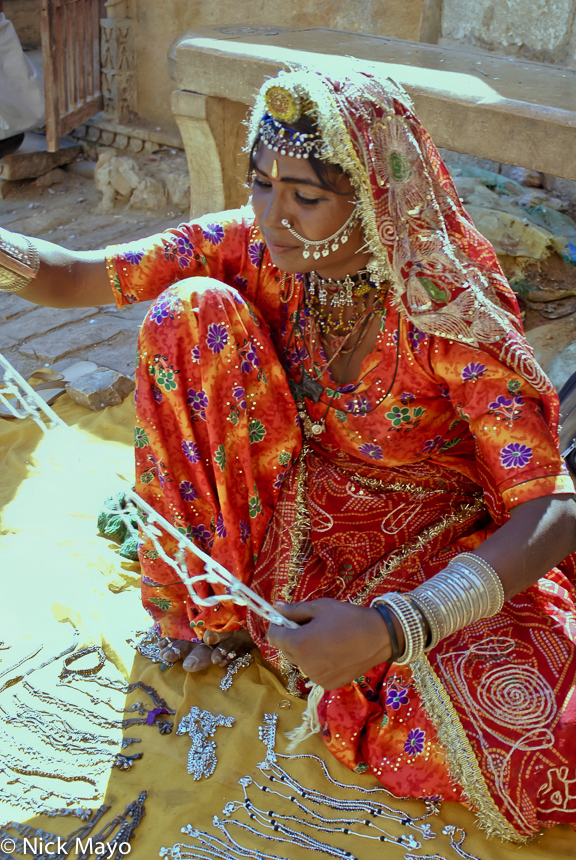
[(387, 618)]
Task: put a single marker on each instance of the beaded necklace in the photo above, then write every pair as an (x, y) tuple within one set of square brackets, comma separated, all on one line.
[(324, 296)]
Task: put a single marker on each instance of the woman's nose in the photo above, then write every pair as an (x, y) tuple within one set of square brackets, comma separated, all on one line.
[(273, 210)]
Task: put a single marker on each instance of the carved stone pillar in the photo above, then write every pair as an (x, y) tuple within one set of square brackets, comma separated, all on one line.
[(118, 68)]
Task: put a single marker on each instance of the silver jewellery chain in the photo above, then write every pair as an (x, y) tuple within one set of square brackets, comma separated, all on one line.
[(322, 247), (156, 699), (66, 735), (269, 818), (164, 726), (233, 667), (22, 800), (18, 678)]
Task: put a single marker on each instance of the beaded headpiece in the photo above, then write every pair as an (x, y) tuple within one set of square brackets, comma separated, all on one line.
[(286, 141)]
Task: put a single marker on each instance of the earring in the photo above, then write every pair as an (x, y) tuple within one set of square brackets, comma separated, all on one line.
[(332, 243)]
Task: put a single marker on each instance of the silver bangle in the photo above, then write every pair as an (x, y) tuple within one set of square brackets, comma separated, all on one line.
[(467, 590), (412, 622), (19, 261)]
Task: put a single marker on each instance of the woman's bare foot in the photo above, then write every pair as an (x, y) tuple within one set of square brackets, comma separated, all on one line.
[(196, 656)]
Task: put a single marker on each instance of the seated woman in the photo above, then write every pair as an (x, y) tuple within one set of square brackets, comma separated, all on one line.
[(342, 409)]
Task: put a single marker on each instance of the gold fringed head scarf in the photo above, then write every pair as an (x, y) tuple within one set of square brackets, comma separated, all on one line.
[(445, 276)]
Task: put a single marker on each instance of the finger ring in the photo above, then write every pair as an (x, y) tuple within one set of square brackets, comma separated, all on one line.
[(231, 655)]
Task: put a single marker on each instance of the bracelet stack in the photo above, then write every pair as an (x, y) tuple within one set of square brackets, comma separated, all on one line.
[(467, 590), (19, 261)]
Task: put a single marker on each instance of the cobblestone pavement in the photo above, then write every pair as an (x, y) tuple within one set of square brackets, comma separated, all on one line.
[(34, 337)]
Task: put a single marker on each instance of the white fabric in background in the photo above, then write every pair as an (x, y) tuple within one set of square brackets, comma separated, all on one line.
[(21, 87)]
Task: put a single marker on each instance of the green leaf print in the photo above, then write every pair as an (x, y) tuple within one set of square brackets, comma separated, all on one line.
[(333, 395), (284, 458), (117, 285), (383, 322), (514, 386), (439, 294), (234, 416), (161, 602), (140, 437), (450, 444), (256, 430), (254, 506), (220, 457), (167, 380), (361, 767)]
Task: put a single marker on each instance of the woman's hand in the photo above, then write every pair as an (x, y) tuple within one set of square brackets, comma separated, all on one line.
[(336, 643)]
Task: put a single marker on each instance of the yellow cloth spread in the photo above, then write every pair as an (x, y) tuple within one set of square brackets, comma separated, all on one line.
[(57, 574)]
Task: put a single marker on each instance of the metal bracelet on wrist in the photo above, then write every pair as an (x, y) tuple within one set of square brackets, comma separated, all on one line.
[(467, 590), (412, 622), (19, 261)]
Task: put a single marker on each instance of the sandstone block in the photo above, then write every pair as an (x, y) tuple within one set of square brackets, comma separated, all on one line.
[(178, 188), (100, 388), (12, 304), (58, 344), (118, 354), (549, 340), (51, 178), (43, 320), (563, 366), (150, 194)]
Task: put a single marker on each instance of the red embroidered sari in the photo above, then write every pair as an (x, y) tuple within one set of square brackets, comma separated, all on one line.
[(450, 423)]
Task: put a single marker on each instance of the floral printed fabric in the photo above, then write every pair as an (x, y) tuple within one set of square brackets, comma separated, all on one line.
[(217, 435)]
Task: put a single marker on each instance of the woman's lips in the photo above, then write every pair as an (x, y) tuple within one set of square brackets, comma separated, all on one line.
[(277, 248)]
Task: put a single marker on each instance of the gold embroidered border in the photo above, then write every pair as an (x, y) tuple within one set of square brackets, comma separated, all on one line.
[(460, 756), (463, 513)]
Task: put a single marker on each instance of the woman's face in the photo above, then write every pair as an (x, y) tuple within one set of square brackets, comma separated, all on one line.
[(297, 195)]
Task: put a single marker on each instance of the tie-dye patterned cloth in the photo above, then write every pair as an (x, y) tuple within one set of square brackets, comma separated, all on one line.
[(420, 459)]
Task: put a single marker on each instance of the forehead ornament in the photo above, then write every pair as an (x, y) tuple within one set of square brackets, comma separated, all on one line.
[(283, 105), (274, 172)]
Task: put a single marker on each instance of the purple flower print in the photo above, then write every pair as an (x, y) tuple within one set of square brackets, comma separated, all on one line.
[(213, 233), (415, 743), (157, 394), (406, 398), (220, 527), (160, 311), (217, 337), (514, 455), (133, 257), (198, 401), (240, 395), (188, 491), (184, 251), (500, 402), (444, 391), (244, 531), (415, 336), (202, 535), (240, 282), (256, 252), (191, 451), (195, 353), (278, 480), (250, 359), (396, 698), (473, 371), (360, 406), (432, 444), (374, 451)]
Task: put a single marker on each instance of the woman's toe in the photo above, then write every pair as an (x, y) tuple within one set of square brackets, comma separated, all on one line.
[(198, 659)]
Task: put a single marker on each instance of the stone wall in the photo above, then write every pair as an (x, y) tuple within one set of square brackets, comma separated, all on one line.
[(158, 24), (25, 15), (542, 30)]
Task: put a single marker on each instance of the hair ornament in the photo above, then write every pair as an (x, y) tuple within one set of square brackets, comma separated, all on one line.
[(282, 104)]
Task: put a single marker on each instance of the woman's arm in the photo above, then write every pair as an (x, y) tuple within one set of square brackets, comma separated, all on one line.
[(338, 642), (65, 279)]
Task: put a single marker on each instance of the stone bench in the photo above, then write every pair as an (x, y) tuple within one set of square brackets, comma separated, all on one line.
[(507, 110)]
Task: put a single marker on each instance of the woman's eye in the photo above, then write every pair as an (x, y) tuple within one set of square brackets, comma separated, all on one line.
[(307, 201), (259, 183)]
